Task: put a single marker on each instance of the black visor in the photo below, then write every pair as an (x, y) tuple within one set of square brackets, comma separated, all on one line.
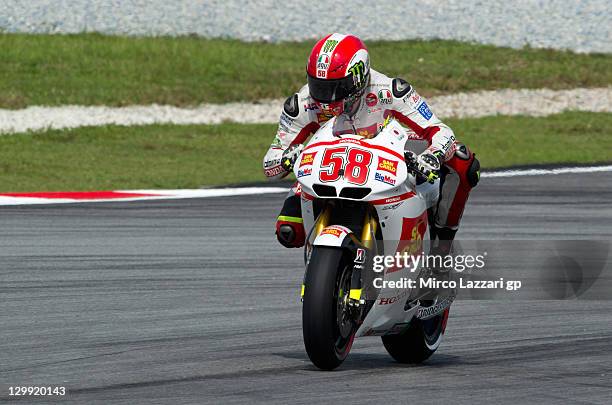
[(330, 90)]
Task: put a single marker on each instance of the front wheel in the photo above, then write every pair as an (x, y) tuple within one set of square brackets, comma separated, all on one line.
[(327, 321), (419, 341)]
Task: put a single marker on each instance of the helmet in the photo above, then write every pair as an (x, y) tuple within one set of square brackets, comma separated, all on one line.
[(338, 72)]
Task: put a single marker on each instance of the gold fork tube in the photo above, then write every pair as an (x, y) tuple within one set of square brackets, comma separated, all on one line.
[(322, 220), (368, 233)]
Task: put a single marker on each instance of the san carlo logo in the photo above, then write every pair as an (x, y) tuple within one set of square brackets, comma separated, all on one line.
[(387, 165), (332, 231), (385, 96), (307, 159), (371, 99)]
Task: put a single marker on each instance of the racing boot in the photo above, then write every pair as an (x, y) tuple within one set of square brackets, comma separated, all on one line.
[(290, 225)]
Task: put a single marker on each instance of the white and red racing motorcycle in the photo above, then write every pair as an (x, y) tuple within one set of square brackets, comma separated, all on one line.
[(360, 200)]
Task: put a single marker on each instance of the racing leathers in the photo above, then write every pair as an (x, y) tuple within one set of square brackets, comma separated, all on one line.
[(383, 97)]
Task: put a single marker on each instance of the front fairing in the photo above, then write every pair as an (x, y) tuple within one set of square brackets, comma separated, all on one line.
[(339, 165)]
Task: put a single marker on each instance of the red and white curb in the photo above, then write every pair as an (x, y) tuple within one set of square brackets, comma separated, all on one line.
[(143, 195), (128, 195)]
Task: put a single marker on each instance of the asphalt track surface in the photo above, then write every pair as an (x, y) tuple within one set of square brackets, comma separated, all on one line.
[(193, 301)]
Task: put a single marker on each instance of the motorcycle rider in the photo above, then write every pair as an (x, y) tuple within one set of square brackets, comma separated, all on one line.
[(341, 84)]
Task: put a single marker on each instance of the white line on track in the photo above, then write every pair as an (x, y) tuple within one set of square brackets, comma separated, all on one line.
[(539, 172), (538, 102), (226, 192)]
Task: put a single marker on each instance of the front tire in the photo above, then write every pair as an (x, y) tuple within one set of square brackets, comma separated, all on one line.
[(419, 341), (327, 322)]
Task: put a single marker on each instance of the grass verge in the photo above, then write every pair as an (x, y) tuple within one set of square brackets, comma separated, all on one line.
[(93, 69), (165, 156)]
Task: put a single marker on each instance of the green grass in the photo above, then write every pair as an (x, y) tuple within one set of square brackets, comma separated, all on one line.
[(93, 69), (113, 157)]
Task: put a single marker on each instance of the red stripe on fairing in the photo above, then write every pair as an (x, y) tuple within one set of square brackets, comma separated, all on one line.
[(80, 195), (356, 142), (307, 196), (382, 201), (395, 199)]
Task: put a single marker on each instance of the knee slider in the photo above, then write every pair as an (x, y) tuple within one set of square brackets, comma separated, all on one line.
[(473, 173), (290, 234), (462, 152)]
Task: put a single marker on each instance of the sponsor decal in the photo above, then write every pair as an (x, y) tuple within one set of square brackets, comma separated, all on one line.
[(399, 135), (371, 99), (392, 199), (274, 171), (349, 140), (304, 172), (412, 97), (365, 131), (285, 119), (329, 45), (384, 178), (307, 159), (425, 111), (271, 163), (311, 106), (358, 72), (387, 165), (387, 301), (332, 231), (277, 143), (428, 312), (385, 96), (323, 62), (392, 206), (449, 143), (284, 127), (411, 237), (392, 300), (322, 117), (360, 256)]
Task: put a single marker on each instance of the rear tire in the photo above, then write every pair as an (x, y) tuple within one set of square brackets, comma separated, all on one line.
[(419, 341), (327, 325)]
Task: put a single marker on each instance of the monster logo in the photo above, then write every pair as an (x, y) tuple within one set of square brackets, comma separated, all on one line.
[(358, 70)]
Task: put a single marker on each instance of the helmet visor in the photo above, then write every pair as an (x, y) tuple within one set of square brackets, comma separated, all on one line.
[(330, 90)]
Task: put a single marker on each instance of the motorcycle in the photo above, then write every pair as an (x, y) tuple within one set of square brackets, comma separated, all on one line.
[(360, 199)]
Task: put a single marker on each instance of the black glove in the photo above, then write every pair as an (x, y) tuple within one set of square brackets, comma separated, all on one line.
[(429, 164), (290, 155)]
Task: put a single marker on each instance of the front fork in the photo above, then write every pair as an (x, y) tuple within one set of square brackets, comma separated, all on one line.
[(359, 248)]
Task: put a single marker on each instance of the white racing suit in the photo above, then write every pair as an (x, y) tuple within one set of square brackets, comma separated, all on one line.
[(383, 97)]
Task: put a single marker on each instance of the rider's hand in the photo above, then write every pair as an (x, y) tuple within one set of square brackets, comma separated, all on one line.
[(429, 164), (290, 155)]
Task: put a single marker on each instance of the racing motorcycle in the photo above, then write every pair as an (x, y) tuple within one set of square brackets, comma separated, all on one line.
[(360, 200)]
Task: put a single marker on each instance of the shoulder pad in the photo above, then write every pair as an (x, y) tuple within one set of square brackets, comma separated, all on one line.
[(400, 87), (291, 106)]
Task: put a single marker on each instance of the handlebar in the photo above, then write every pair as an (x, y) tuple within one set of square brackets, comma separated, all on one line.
[(412, 165)]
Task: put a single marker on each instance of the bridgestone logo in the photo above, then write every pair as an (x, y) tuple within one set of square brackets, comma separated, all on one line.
[(436, 309)]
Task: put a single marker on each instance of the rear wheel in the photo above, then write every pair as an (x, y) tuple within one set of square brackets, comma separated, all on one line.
[(327, 320), (419, 341)]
